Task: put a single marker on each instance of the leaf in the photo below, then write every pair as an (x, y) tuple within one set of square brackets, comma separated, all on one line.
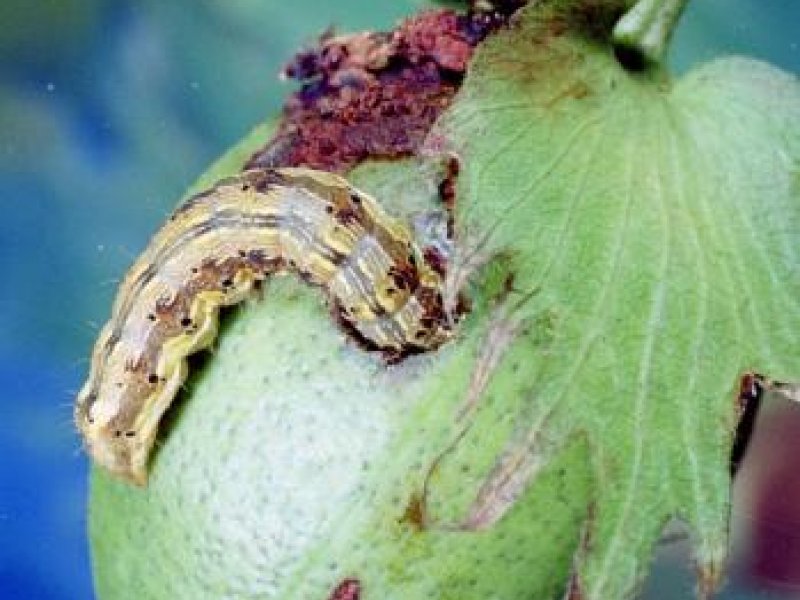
[(660, 221), (630, 247)]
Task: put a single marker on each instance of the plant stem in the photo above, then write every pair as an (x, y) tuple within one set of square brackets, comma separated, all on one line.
[(642, 35)]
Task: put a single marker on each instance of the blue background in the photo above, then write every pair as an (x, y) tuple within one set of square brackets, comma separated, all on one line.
[(108, 110)]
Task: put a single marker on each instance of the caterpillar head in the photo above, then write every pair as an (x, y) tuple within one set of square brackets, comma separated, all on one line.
[(117, 413)]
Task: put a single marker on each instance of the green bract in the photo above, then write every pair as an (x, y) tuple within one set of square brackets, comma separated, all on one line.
[(638, 243)]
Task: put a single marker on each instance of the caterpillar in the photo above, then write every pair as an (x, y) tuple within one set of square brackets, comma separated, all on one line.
[(215, 247)]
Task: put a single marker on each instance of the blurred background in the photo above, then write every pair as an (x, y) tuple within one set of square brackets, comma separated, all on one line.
[(108, 110)]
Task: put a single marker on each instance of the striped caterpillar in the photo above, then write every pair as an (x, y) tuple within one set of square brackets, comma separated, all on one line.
[(211, 252)]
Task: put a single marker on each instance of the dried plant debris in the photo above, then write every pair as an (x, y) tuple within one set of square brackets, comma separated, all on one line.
[(348, 589), (752, 389), (748, 404), (376, 94)]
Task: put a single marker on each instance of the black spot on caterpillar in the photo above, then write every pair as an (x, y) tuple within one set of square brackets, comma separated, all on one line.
[(209, 254)]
